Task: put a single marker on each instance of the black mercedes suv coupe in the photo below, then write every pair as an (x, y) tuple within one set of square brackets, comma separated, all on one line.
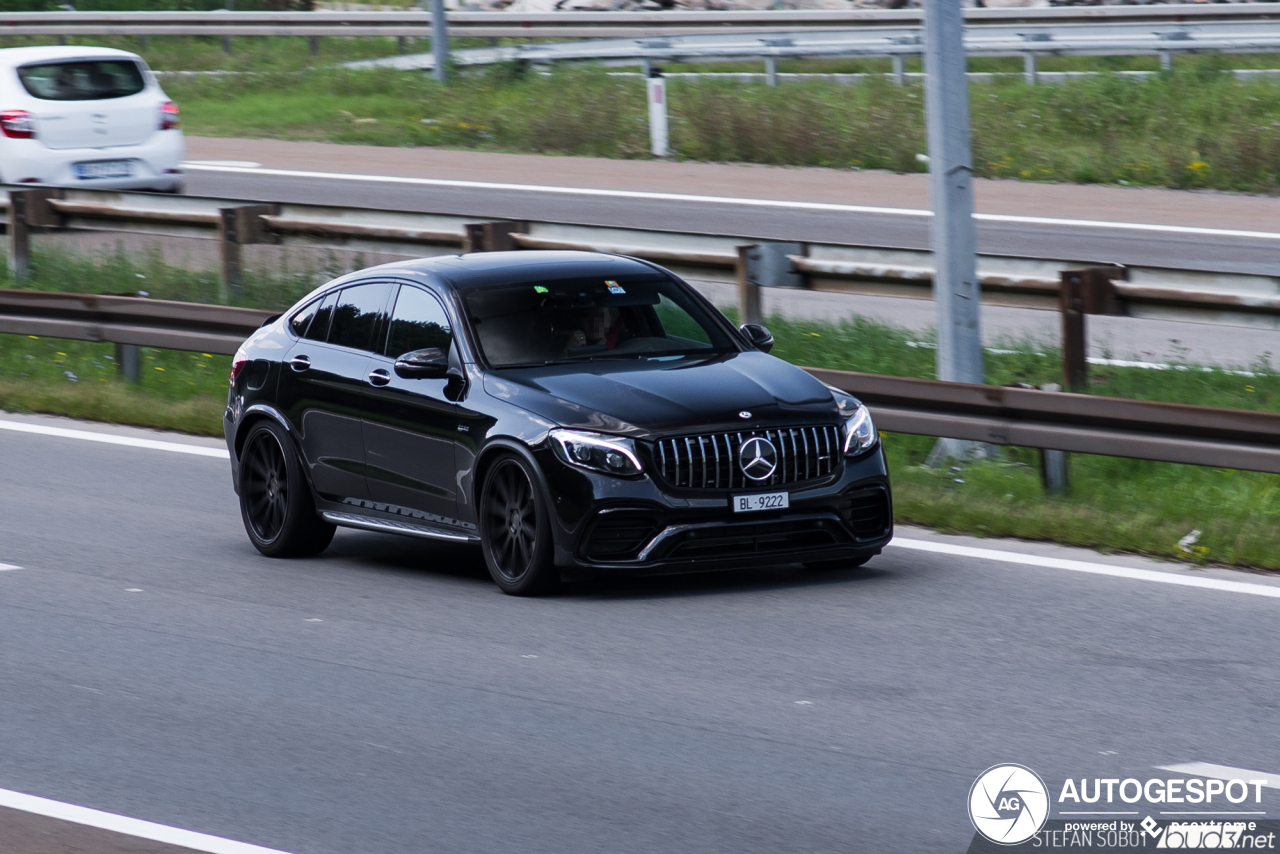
[(574, 413)]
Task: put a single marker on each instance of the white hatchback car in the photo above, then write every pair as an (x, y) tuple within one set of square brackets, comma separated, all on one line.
[(86, 117)]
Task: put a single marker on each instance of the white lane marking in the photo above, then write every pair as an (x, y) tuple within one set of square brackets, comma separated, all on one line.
[(1223, 772), (109, 439), (5, 567), (1092, 568), (129, 826), (727, 200), (231, 164)]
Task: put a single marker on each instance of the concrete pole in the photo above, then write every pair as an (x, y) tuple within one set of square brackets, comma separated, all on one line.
[(657, 89), (440, 40), (956, 288)]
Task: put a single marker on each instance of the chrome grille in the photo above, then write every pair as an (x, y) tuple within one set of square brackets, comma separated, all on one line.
[(710, 461)]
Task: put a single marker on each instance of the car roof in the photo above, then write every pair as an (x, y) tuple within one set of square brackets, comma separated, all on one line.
[(15, 56), (478, 269)]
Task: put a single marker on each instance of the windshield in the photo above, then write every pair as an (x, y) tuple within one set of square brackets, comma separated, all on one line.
[(567, 320), (84, 80)]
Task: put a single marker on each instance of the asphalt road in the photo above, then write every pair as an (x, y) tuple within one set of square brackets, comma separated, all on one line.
[(1118, 245), (385, 698)]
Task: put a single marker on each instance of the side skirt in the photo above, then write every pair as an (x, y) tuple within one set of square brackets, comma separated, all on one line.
[(386, 526)]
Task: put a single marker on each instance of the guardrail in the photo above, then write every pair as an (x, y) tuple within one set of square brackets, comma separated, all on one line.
[(129, 320), (1139, 291), (1081, 423), (587, 24), (1168, 432)]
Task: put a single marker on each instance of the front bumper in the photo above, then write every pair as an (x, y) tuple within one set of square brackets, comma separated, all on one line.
[(638, 526)]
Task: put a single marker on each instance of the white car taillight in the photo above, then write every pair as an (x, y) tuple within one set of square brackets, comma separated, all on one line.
[(169, 119), (18, 124)]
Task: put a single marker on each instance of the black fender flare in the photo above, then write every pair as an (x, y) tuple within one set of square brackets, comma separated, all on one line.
[(261, 412)]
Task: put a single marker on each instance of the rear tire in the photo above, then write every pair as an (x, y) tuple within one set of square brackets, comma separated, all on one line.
[(837, 565), (515, 529), (276, 506)]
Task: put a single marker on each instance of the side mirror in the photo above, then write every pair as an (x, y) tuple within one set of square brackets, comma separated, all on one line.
[(758, 336), (431, 363)]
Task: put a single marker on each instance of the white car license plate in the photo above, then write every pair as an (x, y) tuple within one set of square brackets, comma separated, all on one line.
[(761, 501), (104, 169)]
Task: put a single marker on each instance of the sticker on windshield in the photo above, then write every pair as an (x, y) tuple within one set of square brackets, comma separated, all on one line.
[(614, 287)]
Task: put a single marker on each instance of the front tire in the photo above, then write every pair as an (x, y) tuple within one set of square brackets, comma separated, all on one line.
[(515, 529), (275, 501)]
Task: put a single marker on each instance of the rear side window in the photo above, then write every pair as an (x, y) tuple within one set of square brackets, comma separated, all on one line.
[(92, 80), (356, 316), (319, 328), (417, 323), (303, 318)]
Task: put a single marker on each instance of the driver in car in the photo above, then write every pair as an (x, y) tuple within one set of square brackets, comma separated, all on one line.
[(596, 327)]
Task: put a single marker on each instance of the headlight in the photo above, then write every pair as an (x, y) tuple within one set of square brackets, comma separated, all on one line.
[(595, 451), (859, 432)]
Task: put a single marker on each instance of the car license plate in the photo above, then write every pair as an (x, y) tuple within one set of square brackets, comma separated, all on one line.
[(104, 169), (761, 501)]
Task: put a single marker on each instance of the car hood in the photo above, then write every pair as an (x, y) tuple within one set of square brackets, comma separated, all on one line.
[(639, 397)]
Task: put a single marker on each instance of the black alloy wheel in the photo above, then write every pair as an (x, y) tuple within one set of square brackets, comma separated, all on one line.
[(515, 529), (275, 501)]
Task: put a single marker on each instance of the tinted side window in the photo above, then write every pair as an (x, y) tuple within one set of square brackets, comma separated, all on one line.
[(418, 322), (302, 319), (356, 316), (319, 329)]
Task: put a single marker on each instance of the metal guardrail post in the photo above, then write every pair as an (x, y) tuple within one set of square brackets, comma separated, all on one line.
[(771, 70), (1055, 466), (28, 209), (314, 44), (19, 248), (1082, 292), (129, 362), (765, 265), (1029, 68), (899, 69), (748, 288), (493, 236), (238, 227)]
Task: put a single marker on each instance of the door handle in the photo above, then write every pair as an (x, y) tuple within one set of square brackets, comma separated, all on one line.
[(379, 377), (300, 363)]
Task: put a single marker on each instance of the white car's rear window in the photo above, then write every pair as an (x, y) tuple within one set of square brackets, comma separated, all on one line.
[(83, 80)]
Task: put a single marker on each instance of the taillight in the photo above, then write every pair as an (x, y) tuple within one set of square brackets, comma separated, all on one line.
[(169, 119), (18, 124), (238, 361)]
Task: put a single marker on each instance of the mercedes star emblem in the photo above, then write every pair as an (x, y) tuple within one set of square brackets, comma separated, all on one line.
[(744, 414), (758, 458)]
